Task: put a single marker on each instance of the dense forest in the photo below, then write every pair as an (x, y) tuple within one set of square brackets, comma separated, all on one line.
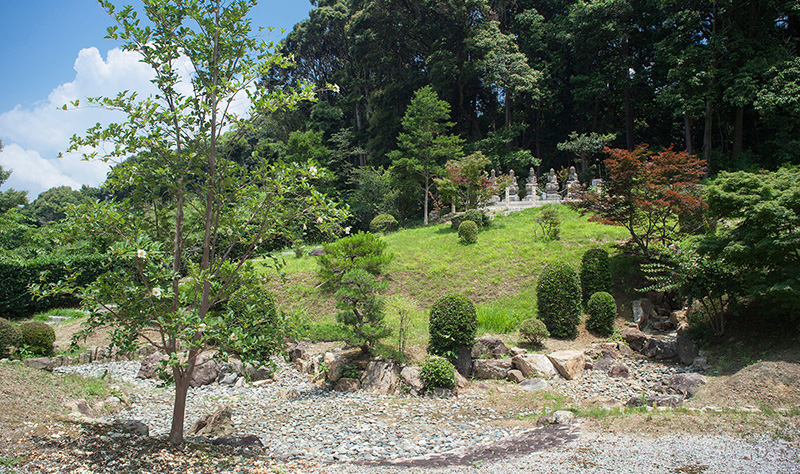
[(716, 78)]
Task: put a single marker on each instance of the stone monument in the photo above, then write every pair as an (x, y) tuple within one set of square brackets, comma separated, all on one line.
[(551, 188), (531, 187), (513, 188), (573, 185)]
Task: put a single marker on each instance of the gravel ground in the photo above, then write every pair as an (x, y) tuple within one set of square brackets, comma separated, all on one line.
[(356, 432)]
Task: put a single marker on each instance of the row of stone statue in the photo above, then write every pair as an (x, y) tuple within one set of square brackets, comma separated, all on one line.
[(533, 192)]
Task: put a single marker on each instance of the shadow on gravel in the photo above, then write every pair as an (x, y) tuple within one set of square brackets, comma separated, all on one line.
[(538, 439)]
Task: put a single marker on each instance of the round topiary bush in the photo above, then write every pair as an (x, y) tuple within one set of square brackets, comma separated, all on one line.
[(437, 372), (533, 331), (602, 310), (383, 223), (474, 215), (9, 336), (37, 336), (558, 300), (468, 232), (453, 324), (595, 273)]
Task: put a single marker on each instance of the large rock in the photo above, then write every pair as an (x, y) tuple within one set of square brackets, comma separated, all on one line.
[(686, 384), (464, 361), (619, 371), (410, 376), (643, 312), (489, 347), (635, 338), (345, 384), (532, 385), (515, 376), (687, 350), (660, 350), (381, 377), (534, 365), (42, 363), (491, 368), (206, 370), (298, 351), (214, 425), (150, 366), (568, 363)]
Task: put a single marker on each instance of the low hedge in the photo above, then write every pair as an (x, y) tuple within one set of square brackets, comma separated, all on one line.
[(16, 300)]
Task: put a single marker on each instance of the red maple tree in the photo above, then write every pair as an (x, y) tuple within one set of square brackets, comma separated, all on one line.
[(649, 193)]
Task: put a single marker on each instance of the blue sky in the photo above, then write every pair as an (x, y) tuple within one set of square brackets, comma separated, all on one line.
[(47, 57)]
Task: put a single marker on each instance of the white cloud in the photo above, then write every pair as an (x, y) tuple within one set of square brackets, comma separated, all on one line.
[(34, 136)]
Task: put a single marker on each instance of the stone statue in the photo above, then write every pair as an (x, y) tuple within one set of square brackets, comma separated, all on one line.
[(493, 175), (573, 185), (513, 188), (551, 187), (531, 188)]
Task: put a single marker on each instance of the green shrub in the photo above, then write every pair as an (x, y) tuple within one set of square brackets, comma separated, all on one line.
[(37, 336), (253, 311), (383, 223), (478, 217), (9, 336), (533, 331), (602, 311), (362, 250), (595, 273), (453, 324), (437, 372), (468, 232), (361, 309), (549, 222), (558, 300), (15, 276)]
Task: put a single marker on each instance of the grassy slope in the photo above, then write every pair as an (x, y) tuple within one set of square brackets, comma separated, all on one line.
[(499, 272)]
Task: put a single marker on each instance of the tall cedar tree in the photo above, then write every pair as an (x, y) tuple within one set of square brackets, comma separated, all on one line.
[(425, 144)]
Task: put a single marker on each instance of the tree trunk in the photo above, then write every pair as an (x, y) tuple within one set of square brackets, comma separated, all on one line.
[(687, 129), (738, 126), (182, 377), (707, 133), (427, 187)]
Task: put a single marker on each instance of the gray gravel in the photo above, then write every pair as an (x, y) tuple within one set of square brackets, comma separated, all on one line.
[(297, 421)]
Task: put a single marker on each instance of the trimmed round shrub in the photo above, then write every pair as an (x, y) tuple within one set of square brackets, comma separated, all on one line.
[(383, 223), (602, 311), (595, 273), (453, 324), (558, 300), (468, 232), (474, 215), (37, 336), (9, 336), (437, 372), (533, 331)]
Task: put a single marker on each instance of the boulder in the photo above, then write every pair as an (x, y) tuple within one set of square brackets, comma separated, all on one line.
[(687, 350), (410, 377), (214, 425), (206, 370), (671, 401), (515, 351), (660, 350), (258, 372), (534, 365), (532, 385), (619, 371), (335, 363), (604, 363), (558, 418), (634, 337), (464, 361), (489, 347), (676, 317), (381, 377), (135, 427), (41, 363), (461, 381), (640, 316), (491, 368), (624, 349), (686, 384), (150, 366), (345, 384), (515, 376), (568, 363), (229, 373), (298, 351)]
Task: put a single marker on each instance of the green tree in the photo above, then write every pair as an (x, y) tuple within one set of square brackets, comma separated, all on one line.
[(179, 268), (10, 199), (586, 145), (51, 205), (425, 144), (362, 308), (468, 183)]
